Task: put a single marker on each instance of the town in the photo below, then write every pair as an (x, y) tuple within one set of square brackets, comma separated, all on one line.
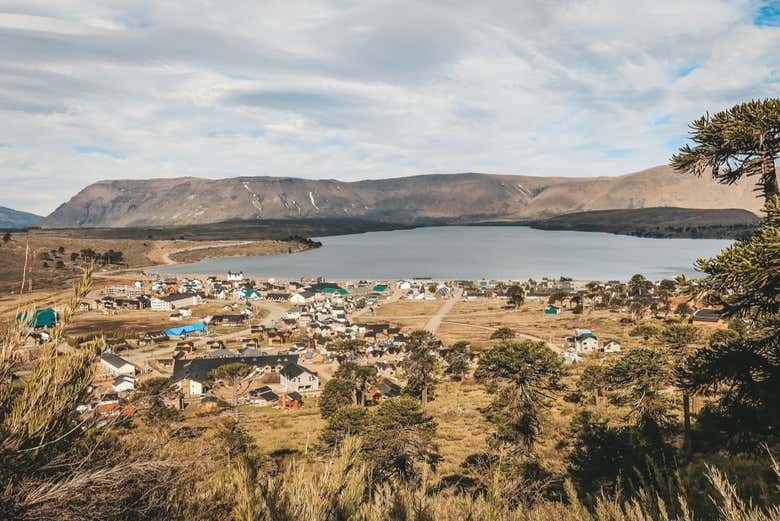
[(287, 338)]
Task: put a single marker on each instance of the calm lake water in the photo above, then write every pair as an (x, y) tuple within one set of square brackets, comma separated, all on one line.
[(474, 252)]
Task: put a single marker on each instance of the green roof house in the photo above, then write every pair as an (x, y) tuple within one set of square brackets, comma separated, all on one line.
[(552, 310), (46, 317), (379, 288)]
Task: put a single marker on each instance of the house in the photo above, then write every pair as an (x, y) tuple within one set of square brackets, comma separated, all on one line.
[(235, 277), (552, 310), (612, 346), (42, 318), (278, 297), (263, 396), (708, 316), (176, 301), (183, 331), (571, 357), (385, 390), (123, 383), (116, 365), (190, 376), (291, 400), (583, 343), (297, 378)]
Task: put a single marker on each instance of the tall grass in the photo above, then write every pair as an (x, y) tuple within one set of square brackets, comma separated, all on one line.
[(340, 490)]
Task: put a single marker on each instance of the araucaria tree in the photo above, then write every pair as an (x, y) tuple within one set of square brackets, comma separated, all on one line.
[(528, 374), (420, 365), (743, 141), (235, 377)]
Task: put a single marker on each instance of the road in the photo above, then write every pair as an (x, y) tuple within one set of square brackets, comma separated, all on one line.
[(396, 295), (435, 321), (275, 313)]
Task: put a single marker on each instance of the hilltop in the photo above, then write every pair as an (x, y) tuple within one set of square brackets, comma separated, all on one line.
[(457, 198), (10, 218)]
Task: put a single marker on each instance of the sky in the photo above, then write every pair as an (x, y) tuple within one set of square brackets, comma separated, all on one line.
[(136, 89)]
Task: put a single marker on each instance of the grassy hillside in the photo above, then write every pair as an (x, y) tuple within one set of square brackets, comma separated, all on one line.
[(657, 222)]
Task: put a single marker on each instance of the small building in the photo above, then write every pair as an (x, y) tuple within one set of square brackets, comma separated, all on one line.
[(612, 346), (123, 384), (176, 301), (183, 331), (42, 318), (297, 378), (116, 365), (552, 310), (708, 316)]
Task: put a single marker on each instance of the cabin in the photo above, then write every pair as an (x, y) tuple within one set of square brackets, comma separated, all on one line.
[(708, 317), (116, 365), (612, 346), (294, 377)]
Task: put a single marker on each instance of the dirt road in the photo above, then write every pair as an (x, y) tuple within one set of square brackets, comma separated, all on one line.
[(435, 321)]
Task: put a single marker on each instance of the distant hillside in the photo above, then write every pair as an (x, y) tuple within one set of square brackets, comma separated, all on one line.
[(658, 222), (457, 198), (15, 219)]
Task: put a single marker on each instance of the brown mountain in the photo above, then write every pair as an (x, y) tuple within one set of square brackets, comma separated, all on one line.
[(456, 198)]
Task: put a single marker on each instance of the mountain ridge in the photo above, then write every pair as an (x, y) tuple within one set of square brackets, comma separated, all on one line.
[(10, 218), (455, 198)]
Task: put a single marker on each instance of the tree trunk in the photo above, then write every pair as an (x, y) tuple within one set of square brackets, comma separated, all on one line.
[(687, 446), (769, 177), (424, 396)]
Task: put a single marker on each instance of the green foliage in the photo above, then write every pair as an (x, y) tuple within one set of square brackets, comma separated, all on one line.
[(419, 365), (337, 393), (529, 374), (397, 436), (458, 360), (743, 141), (516, 295), (637, 379), (646, 331), (502, 333)]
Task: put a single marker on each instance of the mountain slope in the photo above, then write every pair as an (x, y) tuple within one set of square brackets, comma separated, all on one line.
[(10, 218), (457, 198)]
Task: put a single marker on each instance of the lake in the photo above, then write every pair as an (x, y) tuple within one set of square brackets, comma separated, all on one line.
[(474, 252)]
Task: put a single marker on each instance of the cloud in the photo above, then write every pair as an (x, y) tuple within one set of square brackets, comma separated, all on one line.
[(353, 90)]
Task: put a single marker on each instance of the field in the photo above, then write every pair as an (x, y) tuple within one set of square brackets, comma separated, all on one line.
[(137, 254)]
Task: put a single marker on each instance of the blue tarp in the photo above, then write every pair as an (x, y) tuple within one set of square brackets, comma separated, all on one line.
[(183, 330)]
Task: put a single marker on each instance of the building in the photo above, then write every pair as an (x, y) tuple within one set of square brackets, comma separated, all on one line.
[(294, 377), (176, 301), (123, 384), (612, 346), (708, 316), (191, 376), (183, 331), (116, 365)]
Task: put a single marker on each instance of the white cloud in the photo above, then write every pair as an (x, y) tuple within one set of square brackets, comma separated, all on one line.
[(351, 90)]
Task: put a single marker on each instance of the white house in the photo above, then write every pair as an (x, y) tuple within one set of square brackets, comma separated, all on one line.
[(612, 346), (586, 343), (294, 377), (176, 301), (123, 383), (235, 277), (116, 365)]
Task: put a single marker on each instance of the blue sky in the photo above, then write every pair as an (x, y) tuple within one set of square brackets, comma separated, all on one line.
[(363, 89)]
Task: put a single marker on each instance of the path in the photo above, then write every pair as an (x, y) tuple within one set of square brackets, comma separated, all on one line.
[(435, 321)]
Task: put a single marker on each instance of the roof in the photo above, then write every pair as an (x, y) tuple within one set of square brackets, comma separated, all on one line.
[(707, 315), (45, 317), (183, 330), (198, 369), (294, 370), (295, 396), (175, 297), (113, 360)]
